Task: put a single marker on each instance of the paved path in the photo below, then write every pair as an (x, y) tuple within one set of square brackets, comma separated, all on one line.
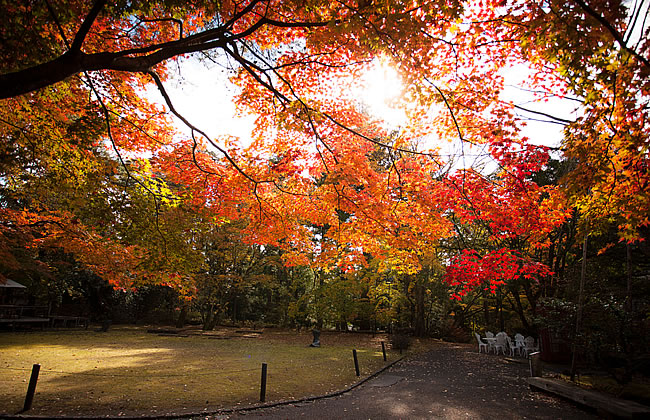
[(449, 382)]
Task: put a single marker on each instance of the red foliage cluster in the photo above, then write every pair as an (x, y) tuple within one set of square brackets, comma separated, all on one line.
[(469, 270)]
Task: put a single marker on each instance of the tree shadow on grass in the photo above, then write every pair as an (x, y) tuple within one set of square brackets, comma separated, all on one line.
[(131, 372)]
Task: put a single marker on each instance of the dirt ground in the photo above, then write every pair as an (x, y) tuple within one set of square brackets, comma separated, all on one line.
[(449, 382)]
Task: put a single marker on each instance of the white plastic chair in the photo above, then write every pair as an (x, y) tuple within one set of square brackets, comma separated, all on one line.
[(489, 334), (529, 345), (519, 342), (500, 343), (513, 347), (481, 344)]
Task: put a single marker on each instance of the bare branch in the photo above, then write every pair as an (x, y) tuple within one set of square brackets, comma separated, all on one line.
[(451, 111), (163, 92), (557, 119)]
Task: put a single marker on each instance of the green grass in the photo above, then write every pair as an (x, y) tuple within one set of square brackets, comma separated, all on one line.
[(129, 371)]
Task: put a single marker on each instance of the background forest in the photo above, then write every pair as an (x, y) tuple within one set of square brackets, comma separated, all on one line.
[(115, 205)]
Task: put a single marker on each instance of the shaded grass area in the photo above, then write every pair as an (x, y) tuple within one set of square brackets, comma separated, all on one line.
[(129, 371)]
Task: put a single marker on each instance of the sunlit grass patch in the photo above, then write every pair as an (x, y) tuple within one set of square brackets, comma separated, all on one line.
[(130, 371)]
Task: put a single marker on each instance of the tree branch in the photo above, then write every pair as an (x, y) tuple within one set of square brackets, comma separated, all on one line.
[(57, 23), (176, 21), (134, 60), (561, 120), (616, 34), (163, 92), (86, 25)]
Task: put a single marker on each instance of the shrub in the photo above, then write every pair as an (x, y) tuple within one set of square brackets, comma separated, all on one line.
[(400, 341)]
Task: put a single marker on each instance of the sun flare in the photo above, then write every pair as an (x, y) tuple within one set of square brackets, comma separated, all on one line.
[(381, 91)]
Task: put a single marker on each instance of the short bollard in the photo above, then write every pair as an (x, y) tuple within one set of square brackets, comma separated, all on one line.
[(383, 350), (356, 361), (535, 364), (263, 386), (31, 389)]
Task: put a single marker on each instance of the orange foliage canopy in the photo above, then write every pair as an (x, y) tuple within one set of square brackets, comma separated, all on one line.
[(322, 179)]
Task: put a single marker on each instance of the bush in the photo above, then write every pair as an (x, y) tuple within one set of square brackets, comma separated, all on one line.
[(453, 333), (400, 341)]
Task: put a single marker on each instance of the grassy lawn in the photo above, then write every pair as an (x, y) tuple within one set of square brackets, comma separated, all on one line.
[(130, 371)]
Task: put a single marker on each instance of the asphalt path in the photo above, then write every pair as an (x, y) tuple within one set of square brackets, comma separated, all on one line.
[(448, 382)]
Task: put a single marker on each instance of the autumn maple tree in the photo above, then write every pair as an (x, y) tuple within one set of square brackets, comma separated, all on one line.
[(92, 159)]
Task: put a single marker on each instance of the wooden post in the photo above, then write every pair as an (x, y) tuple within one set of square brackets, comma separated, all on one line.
[(383, 350), (31, 389), (356, 362), (535, 364), (263, 386)]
